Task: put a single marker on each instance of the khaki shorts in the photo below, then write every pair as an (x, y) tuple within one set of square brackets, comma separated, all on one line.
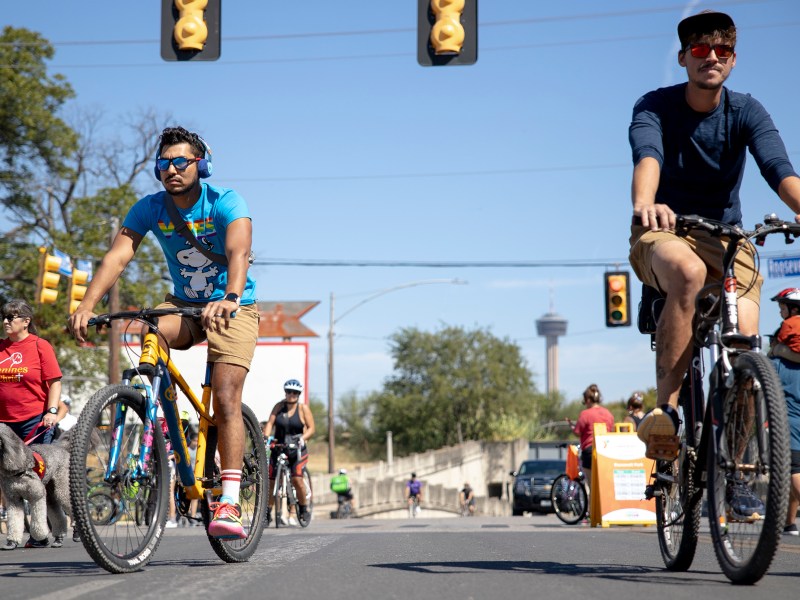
[(235, 345), (710, 250)]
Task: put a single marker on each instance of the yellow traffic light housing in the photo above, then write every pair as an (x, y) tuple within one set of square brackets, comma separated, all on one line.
[(618, 299), (47, 282), (190, 29), (77, 288), (447, 32)]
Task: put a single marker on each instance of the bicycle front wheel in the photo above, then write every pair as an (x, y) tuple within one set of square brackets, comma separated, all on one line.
[(678, 511), (569, 499), (305, 521), (252, 493), (748, 471), (109, 528)]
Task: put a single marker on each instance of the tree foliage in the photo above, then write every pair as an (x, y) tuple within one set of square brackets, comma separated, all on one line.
[(62, 185), (450, 386)]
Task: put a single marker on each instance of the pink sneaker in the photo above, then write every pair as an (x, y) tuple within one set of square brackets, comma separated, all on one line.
[(226, 523)]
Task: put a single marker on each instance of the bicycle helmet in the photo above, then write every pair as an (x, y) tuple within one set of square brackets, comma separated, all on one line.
[(790, 296), (293, 386), (342, 471)]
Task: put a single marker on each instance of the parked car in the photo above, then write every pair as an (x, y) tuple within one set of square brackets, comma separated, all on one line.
[(532, 484)]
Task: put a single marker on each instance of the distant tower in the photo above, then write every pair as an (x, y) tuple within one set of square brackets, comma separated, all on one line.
[(550, 326)]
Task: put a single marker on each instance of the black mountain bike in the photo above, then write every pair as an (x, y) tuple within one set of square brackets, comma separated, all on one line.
[(736, 440)]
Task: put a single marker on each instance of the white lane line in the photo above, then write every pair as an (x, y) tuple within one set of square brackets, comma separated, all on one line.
[(79, 590), (272, 558)]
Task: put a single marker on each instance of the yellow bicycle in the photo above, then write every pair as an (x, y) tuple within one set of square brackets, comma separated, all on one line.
[(118, 435)]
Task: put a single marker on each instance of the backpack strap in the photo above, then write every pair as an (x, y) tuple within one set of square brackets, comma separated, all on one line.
[(182, 230)]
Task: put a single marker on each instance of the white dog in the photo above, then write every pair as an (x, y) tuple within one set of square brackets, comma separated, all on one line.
[(45, 487)]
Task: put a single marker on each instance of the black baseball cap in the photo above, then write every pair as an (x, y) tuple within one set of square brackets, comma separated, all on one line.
[(707, 21)]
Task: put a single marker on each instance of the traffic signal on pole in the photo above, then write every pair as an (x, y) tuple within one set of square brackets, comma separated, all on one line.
[(618, 299), (447, 32), (190, 29), (77, 288), (47, 284)]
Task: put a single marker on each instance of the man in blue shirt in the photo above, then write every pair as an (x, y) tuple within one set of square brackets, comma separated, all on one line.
[(689, 143), (220, 221)]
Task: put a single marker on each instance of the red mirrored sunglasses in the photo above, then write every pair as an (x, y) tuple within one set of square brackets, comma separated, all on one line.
[(703, 50)]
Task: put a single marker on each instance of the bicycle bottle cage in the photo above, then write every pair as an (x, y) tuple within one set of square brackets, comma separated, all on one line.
[(650, 308)]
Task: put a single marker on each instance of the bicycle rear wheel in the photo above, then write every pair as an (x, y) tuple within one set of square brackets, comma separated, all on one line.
[(118, 542), (306, 520), (569, 499), (748, 471), (252, 494)]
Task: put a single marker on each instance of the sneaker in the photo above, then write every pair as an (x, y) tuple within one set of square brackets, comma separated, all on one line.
[(32, 543), (791, 530), (171, 524), (659, 432), (742, 501), (10, 546), (303, 514), (227, 521), (76, 537), (58, 542), (268, 518), (292, 520)]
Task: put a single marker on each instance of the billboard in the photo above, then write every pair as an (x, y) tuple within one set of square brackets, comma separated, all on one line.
[(273, 363)]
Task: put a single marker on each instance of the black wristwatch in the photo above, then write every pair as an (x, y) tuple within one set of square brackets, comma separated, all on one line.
[(52, 410), (232, 298)]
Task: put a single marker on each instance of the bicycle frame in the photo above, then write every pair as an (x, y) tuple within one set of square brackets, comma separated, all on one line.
[(156, 365)]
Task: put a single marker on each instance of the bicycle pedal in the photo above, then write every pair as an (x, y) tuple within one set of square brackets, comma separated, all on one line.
[(663, 447), (652, 491)]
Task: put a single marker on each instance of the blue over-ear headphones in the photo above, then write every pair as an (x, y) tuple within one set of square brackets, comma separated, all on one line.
[(204, 165)]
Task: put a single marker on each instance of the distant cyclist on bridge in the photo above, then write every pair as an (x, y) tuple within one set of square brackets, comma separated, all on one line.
[(414, 493), (689, 143)]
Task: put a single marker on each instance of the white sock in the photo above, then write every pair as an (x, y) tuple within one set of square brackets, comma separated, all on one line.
[(231, 480)]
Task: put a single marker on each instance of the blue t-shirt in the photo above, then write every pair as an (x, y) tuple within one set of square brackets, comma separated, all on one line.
[(414, 487), (195, 278), (702, 155), (789, 373)]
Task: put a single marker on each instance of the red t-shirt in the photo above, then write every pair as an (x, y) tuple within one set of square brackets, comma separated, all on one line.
[(789, 333), (26, 367), (585, 425)]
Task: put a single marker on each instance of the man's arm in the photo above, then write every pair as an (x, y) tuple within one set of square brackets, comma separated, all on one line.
[(114, 262), (646, 177), (238, 242), (789, 192)]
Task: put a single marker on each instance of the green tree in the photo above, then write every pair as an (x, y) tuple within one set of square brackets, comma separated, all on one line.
[(454, 385), (54, 187)]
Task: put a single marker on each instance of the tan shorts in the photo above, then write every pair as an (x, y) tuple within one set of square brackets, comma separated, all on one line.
[(235, 345), (710, 250)]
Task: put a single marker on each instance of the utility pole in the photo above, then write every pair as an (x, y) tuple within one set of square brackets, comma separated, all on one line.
[(331, 432), (114, 375)]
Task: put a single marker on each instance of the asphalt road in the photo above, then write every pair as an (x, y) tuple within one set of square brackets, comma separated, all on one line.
[(443, 559)]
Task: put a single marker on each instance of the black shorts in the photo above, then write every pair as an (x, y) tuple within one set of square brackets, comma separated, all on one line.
[(795, 462), (586, 458)]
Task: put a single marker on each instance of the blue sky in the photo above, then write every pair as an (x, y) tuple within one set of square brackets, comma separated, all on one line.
[(345, 148)]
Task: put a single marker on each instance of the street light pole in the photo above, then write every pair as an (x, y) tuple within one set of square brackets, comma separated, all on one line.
[(332, 321)]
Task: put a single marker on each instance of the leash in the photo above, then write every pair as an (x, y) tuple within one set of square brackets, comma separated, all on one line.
[(31, 437)]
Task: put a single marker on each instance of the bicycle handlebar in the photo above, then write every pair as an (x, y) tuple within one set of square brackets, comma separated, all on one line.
[(772, 224), (145, 314)]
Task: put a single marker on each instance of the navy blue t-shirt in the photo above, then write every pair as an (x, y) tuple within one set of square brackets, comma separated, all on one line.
[(702, 155)]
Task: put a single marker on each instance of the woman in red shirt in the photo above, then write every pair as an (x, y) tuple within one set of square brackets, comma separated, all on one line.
[(593, 413), (30, 378)]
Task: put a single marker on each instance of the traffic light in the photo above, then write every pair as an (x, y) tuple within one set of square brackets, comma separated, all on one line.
[(190, 29), (47, 283), (447, 32), (77, 288), (618, 299)]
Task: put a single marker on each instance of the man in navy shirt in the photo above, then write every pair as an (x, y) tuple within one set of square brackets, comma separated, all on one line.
[(689, 143)]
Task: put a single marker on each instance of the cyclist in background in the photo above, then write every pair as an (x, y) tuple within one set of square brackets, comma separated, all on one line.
[(689, 143), (466, 498), (220, 220), (293, 424), (413, 491), (340, 485)]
